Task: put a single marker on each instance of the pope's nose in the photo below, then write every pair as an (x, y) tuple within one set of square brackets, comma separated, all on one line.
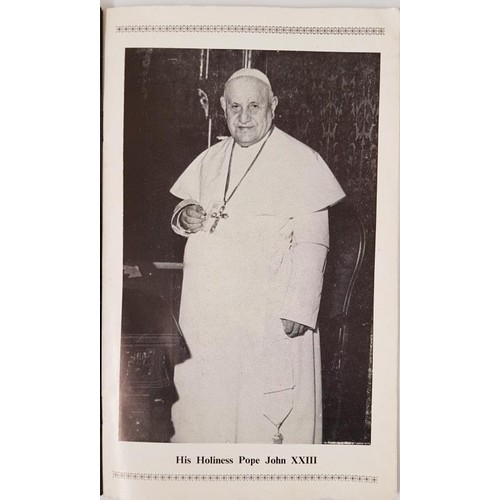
[(244, 117)]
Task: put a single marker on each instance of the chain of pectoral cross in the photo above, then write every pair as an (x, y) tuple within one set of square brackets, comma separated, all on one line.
[(222, 214)]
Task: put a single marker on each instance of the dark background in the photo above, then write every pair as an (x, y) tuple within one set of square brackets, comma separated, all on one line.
[(329, 101)]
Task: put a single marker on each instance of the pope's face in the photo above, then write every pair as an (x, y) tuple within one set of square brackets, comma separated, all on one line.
[(249, 109)]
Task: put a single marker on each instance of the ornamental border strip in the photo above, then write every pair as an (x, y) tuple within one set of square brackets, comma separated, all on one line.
[(151, 476), (246, 28)]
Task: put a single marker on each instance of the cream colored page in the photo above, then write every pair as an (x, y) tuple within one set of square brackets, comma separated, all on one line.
[(144, 471)]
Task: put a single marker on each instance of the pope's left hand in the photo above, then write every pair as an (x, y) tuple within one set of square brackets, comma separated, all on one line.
[(293, 329)]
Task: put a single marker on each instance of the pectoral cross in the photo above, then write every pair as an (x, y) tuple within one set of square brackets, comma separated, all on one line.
[(221, 214)]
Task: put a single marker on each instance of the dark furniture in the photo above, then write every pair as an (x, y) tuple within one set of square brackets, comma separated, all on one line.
[(150, 348)]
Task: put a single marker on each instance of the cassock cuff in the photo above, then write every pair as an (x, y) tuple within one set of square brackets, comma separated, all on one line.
[(176, 227), (303, 295)]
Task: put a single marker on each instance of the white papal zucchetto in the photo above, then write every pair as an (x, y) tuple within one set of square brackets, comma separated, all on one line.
[(255, 73)]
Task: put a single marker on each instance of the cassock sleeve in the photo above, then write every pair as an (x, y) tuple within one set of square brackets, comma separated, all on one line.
[(309, 251), (187, 187), (176, 226)]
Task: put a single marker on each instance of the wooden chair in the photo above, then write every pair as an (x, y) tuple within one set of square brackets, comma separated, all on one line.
[(345, 260)]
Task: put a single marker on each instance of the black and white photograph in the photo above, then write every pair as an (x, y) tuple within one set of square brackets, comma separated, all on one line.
[(250, 253), (249, 224)]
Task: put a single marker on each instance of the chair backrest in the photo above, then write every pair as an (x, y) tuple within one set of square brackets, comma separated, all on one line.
[(345, 259), (347, 249)]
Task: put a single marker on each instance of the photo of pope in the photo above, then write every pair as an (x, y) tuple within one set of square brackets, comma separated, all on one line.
[(254, 211)]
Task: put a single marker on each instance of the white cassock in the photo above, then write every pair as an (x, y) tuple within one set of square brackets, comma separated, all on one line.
[(246, 380)]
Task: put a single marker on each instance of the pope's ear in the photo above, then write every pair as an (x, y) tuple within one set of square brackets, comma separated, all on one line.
[(274, 103), (223, 103)]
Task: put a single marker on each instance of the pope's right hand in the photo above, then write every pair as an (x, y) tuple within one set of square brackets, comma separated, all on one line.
[(192, 218)]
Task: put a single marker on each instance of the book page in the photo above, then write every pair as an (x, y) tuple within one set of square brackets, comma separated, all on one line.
[(299, 154)]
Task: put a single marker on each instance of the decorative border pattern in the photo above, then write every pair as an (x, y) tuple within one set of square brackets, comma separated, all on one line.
[(244, 28), (146, 476)]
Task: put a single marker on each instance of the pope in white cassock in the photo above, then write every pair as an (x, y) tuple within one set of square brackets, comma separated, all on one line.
[(254, 210)]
